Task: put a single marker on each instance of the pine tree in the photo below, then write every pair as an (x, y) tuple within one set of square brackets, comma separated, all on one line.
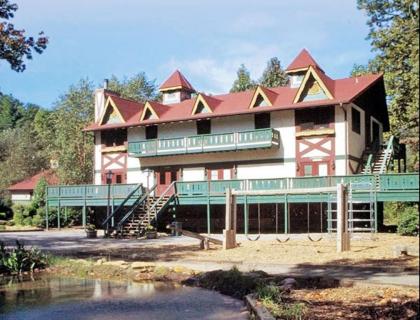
[(243, 81), (274, 75), (394, 35)]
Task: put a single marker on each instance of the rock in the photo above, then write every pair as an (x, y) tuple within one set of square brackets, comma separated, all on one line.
[(288, 284), (395, 300), (399, 250), (100, 261)]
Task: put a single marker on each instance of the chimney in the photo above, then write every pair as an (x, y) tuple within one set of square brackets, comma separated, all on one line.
[(106, 82)]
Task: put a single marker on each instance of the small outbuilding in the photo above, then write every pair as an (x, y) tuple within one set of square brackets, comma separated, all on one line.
[(22, 191)]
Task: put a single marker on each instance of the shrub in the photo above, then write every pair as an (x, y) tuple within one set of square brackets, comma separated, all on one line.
[(18, 214), (27, 221), (19, 259), (408, 222), (269, 293), (38, 221)]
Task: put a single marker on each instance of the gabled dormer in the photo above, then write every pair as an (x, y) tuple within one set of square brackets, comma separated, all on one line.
[(314, 86), (111, 114), (149, 112), (202, 104), (176, 89), (262, 97)]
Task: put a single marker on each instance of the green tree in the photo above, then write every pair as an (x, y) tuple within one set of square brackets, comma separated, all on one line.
[(394, 35), (38, 200), (73, 150), (138, 87), (9, 111), (15, 46), (274, 75), (243, 81)]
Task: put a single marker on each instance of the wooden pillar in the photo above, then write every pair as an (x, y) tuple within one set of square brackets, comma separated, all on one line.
[(58, 216), (246, 214), (229, 234), (208, 216), (84, 216), (343, 236), (46, 216), (286, 215)]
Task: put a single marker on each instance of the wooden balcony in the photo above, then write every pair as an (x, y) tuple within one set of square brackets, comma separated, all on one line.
[(245, 140)]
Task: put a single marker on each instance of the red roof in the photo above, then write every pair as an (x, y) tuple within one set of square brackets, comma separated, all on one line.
[(303, 60), (30, 183), (281, 98), (177, 80)]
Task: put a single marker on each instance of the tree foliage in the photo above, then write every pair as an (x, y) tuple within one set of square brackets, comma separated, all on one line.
[(15, 46), (394, 35), (137, 87), (243, 81), (274, 75)]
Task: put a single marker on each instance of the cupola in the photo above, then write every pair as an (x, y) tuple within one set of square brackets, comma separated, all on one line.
[(176, 89)]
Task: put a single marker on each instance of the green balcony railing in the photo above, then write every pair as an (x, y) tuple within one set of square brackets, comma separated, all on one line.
[(261, 138), (118, 191)]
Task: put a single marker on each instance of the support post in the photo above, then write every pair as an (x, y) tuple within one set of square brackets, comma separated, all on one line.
[(343, 236), (229, 234), (58, 216), (84, 216), (246, 214), (46, 216), (65, 215), (286, 215), (208, 216)]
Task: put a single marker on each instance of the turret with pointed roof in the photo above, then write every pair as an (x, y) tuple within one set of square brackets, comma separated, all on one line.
[(302, 62), (176, 88)]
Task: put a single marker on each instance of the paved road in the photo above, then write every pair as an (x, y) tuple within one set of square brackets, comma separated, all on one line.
[(68, 241)]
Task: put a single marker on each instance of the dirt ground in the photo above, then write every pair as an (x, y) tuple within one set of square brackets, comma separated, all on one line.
[(370, 302), (367, 252), (376, 252)]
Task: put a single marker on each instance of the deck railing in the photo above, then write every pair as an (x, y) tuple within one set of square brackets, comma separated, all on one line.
[(89, 191), (261, 138), (381, 183)]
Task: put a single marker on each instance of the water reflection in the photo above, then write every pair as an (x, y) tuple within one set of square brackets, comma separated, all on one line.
[(70, 299), (18, 294)]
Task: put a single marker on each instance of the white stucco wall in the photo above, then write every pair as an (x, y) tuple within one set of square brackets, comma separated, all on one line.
[(193, 174), (340, 141), (21, 196), (266, 171)]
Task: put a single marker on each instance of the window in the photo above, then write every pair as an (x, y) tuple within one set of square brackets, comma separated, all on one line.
[(262, 121), (114, 138), (204, 127), (314, 118), (151, 132), (355, 120), (118, 178), (307, 170)]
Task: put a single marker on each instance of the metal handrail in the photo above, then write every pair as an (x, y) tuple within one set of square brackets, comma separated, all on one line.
[(161, 196), (119, 208), (135, 206)]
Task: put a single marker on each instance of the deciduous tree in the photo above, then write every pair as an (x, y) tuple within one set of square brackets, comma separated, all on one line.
[(15, 45)]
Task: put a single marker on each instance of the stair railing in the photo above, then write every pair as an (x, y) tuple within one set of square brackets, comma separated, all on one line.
[(135, 206), (387, 154), (122, 204), (153, 207)]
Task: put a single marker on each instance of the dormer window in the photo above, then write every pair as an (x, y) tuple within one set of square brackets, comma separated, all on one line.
[(296, 80)]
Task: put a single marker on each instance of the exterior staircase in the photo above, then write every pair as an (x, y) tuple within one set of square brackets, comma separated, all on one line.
[(143, 216), (378, 160), (133, 221)]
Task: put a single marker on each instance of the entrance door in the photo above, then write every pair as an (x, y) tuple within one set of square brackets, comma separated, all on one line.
[(319, 168), (118, 176), (164, 178)]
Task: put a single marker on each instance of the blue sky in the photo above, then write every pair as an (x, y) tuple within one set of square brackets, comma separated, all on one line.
[(207, 40)]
